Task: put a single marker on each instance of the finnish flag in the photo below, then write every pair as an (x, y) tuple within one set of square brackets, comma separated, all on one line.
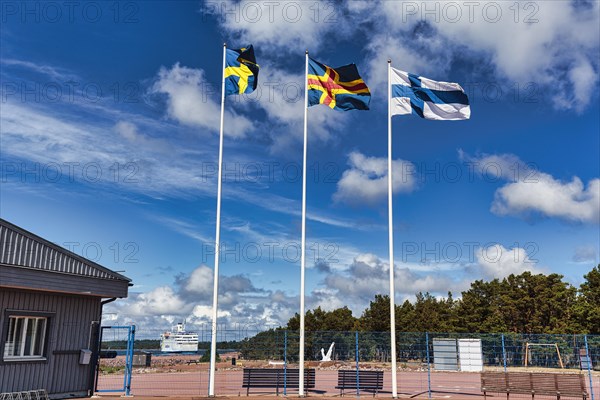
[(412, 94)]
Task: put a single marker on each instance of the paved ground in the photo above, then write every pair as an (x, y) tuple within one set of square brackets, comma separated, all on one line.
[(194, 385)]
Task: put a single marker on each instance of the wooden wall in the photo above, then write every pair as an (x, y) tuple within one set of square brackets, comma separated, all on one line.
[(69, 332)]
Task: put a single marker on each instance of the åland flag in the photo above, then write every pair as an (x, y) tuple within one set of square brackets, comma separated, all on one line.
[(339, 88), (412, 94), (241, 71)]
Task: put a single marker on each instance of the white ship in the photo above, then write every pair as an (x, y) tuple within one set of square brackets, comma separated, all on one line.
[(180, 340)]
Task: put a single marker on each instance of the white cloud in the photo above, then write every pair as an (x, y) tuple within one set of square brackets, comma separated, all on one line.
[(493, 167), (159, 301), (551, 197), (383, 47), (189, 101), (142, 142), (586, 254), (496, 261), (548, 51), (328, 299), (240, 302), (189, 298), (427, 37), (531, 191), (584, 79), (275, 26), (200, 281), (368, 275), (203, 312), (128, 131), (366, 181)]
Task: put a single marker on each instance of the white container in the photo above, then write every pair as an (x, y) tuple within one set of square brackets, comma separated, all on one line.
[(470, 354), (85, 356)]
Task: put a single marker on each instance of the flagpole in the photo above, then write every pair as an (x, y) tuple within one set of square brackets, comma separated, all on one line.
[(391, 239), (213, 340), (303, 240)]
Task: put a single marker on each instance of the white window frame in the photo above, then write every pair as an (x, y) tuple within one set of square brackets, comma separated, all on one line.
[(35, 345)]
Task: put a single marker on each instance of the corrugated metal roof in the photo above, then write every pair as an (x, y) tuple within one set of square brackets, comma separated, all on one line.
[(22, 248)]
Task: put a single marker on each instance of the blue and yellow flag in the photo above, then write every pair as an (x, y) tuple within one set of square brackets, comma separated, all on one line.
[(340, 88), (241, 71)]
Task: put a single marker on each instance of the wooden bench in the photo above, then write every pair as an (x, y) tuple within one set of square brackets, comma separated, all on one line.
[(559, 385), (277, 378), (364, 380)]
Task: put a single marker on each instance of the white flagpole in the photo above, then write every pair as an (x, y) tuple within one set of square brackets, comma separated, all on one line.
[(391, 238), (303, 240), (213, 340)]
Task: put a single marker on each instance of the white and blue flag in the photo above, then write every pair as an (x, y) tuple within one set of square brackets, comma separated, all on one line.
[(412, 94)]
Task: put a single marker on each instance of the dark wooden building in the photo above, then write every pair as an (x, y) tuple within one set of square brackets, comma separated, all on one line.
[(50, 310)]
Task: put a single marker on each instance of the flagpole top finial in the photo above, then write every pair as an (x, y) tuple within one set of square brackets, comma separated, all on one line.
[(306, 51), (389, 60), (224, 44)]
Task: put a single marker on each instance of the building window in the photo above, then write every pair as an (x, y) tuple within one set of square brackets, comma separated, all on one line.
[(26, 337)]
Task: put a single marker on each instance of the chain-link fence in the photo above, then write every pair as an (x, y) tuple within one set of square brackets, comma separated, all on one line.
[(438, 365)]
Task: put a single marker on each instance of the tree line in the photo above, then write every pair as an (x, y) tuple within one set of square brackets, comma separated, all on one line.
[(518, 304), (525, 303)]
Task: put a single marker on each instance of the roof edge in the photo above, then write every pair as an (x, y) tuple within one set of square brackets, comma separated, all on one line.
[(62, 249)]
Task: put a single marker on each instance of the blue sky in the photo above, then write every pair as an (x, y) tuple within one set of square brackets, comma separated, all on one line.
[(109, 125)]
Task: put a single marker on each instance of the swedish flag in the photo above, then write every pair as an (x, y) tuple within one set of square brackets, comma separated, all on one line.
[(241, 71)]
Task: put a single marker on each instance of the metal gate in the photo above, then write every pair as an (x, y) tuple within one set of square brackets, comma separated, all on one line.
[(114, 368)]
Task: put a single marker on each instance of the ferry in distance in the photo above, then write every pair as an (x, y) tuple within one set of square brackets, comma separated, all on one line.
[(179, 340)]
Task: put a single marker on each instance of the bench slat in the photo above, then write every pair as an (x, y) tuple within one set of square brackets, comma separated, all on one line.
[(534, 383), (276, 378), (367, 380)]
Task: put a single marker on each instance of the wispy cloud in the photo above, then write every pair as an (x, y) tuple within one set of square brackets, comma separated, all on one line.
[(134, 145), (52, 72), (185, 228)]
